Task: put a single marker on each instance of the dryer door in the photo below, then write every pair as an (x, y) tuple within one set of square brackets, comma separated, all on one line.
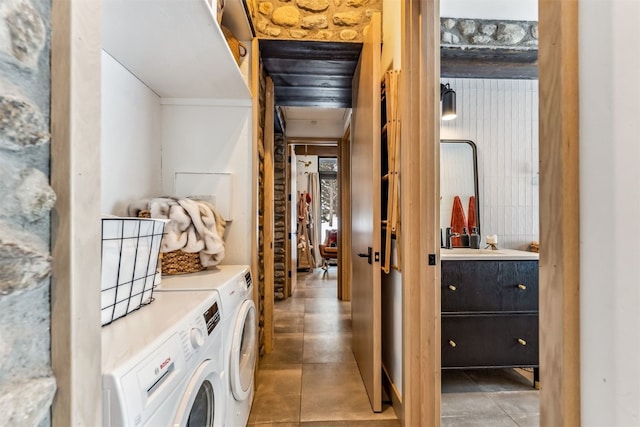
[(203, 402), (243, 351)]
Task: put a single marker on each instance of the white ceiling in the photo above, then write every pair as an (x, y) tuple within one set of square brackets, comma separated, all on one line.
[(312, 122)]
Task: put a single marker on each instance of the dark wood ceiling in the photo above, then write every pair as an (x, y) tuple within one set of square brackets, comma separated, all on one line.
[(318, 74), (310, 74)]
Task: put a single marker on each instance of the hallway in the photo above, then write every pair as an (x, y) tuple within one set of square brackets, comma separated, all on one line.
[(311, 378)]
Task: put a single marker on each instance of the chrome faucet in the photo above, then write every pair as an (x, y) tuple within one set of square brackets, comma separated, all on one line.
[(449, 235)]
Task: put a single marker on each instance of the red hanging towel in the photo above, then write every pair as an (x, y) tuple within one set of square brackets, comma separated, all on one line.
[(471, 222), (458, 221)]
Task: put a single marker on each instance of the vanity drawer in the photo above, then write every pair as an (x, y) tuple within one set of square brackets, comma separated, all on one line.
[(489, 341), (489, 286)]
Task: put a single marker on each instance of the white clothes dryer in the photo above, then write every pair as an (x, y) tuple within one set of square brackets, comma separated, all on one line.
[(163, 364), (235, 285)]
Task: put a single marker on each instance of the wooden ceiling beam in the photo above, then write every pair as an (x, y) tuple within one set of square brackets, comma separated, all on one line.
[(313, 97), (315, 80), (303, 50)]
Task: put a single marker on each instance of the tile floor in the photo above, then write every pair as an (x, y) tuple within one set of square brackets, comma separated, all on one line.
[(311, 378), (491, 397)]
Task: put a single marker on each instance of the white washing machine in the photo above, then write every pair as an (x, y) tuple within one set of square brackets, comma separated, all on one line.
[(235, 285), (163, 364)]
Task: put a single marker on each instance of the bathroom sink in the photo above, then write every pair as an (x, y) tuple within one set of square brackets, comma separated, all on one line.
[(485, 254), (474, 251)]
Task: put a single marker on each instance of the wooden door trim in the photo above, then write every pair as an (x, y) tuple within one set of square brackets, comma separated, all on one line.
[(344, 234), (419, 195), (75, 222), (290, 268), (313, 141), (255, 123), (559, 214)]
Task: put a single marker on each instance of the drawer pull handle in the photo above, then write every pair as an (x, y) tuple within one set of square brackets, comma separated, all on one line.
[(522, 342), (452, 343), (452, 287), (522, 287)]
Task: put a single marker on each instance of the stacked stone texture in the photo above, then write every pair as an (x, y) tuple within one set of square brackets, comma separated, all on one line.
[(318, 20), (482, 33), (261, 268), (27, 385), (280, 228)]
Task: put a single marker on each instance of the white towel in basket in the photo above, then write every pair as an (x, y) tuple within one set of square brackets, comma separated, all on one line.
[(194, 226)]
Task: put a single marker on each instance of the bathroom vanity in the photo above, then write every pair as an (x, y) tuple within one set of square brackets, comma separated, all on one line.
[(489, 308)]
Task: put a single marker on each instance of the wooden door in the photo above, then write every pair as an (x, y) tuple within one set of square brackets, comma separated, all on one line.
[(292, 271), (365, 215)]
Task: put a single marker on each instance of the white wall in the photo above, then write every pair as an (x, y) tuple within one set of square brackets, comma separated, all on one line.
[(518, 10), (501, 117), (130, 140), (609, 212), (206, 139)]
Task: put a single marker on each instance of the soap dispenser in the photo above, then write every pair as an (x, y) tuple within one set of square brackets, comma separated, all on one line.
[(474, 239), (464, 238)]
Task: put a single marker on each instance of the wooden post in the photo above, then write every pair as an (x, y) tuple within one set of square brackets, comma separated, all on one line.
[(559, 214), (419, 210)]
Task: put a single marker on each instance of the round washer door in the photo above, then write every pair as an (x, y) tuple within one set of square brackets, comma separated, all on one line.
[(202, 404), (243, 351)]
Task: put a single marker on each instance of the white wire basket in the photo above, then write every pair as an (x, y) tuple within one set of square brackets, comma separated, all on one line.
[(130, 249)]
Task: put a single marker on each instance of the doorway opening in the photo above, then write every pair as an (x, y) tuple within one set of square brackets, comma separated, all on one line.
[(329, 209), (315, 215)]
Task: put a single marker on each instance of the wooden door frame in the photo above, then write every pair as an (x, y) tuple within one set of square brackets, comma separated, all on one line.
[(268, 220), (559, 215), (322, 145), (344, 234), (419, 208), (75, 220)]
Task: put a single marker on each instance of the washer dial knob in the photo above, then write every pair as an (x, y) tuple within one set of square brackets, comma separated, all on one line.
[(196, 337)]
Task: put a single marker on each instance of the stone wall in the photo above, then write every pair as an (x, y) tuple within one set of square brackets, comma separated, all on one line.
[(26, 382), (490, 34), (261, 116), (280, 229), (319, 20)]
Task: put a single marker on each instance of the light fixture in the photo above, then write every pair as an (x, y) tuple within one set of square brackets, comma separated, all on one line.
[(448, 98)]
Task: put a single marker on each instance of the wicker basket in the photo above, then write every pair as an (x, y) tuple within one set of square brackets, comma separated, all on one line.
[(177, 262), (237, 48)]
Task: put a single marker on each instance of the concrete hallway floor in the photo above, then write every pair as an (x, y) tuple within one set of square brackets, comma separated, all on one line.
[(311, 378)]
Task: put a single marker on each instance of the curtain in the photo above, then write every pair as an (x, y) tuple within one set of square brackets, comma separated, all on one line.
[(313, 188)]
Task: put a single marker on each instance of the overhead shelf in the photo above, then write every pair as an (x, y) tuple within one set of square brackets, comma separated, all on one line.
[(175, 47)]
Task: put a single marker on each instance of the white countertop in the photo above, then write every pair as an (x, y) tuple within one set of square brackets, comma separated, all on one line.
[(466, 254)]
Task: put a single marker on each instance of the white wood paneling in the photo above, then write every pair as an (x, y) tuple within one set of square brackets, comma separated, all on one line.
[(501, 117)]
